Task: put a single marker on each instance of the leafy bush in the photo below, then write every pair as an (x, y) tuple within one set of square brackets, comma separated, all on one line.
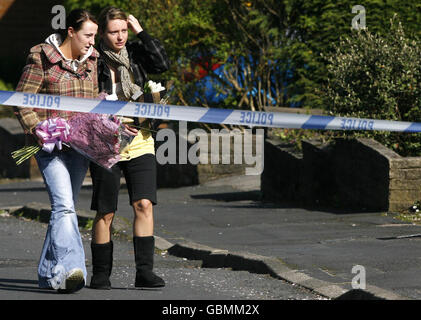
[(269, 49), (293, 138), (6, 111), (317, 25), (5, 86), (245, 39), (378, 77)]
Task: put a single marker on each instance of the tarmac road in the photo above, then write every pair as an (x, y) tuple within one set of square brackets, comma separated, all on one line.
[(224, 224), (21, 241)]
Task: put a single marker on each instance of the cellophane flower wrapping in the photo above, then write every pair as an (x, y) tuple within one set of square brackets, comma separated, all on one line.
[(99, 137)]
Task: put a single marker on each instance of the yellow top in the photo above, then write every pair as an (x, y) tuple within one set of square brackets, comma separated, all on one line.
[(142, 144)]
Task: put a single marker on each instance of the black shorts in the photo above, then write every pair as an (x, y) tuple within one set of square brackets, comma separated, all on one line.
[(140, 175)]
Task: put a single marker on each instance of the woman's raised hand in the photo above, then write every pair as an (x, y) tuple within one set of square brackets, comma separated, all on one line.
[(134, 24)]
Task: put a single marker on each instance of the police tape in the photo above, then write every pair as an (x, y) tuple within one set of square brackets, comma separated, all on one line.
[(200, 114)]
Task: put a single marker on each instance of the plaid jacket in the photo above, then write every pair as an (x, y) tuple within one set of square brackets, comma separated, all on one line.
[(46, 71), (146, 56)]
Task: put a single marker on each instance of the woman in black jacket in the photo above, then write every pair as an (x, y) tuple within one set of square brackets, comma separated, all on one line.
[(122, 72)]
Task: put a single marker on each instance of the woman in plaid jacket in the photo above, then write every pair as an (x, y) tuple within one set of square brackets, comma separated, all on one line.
[(66, 68)]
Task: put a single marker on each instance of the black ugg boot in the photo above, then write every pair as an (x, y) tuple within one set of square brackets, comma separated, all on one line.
[(144, 250), (102, 263)]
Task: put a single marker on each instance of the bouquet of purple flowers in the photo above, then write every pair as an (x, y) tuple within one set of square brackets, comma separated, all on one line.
[(98, 137)]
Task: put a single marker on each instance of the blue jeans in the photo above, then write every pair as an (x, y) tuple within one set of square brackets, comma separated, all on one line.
[(63, 173)]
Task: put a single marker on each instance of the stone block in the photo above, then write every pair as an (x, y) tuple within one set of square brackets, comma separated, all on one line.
[(350, 174)]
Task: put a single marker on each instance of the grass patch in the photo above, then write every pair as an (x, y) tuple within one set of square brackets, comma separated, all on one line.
[(411, 217)]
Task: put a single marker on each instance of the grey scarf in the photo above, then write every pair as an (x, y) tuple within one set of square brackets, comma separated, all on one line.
[(120, 61)]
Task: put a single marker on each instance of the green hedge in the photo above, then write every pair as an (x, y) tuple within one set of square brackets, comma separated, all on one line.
[(379, 77), (5, 111)]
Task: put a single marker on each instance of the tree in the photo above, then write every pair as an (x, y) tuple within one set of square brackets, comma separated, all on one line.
[(270, 51), (317, 25), (247, 38), (256, 65), (378, 77), (95, 6), (6, 112)]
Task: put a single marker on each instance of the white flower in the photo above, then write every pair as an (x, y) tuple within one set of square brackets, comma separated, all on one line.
[(155, 87), (111, 97)]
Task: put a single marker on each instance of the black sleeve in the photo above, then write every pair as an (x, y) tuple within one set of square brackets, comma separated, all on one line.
[(150, 53), (104, 77)]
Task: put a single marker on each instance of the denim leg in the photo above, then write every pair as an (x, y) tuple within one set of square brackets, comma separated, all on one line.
[(63, 174), (77, 165)]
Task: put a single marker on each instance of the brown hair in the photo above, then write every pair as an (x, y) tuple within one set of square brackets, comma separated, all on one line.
[(109, 13), (75, 19)]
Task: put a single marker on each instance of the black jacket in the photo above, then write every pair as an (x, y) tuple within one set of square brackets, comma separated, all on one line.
[(146, 55)]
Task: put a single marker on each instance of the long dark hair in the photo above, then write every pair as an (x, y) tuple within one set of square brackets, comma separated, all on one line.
[(75, 19)]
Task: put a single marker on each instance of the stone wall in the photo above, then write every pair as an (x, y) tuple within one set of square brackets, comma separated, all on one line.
[(405, 182), (281, 177), (177, 175), (354, 175), (361, 169)]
